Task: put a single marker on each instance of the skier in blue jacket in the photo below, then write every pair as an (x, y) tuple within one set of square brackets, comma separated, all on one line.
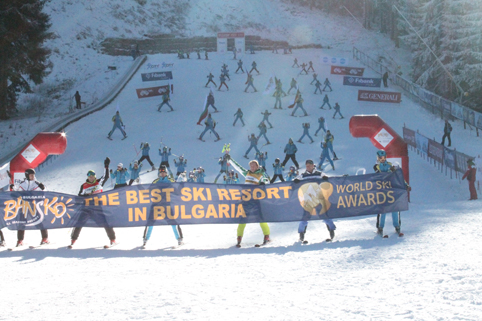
[(117, 120), (254, 67), (265, 118), (321, 125), (210, 125), (224, 162), (250, 83), (239, 115), (145, 154), (290, 150), (165, 153), (210, 101), (306, 128), (278, 171), (135, 170), (232, 178), (292, 84), (315, 79), (165, 101), (240, 66), (318, 86), (327, 84), (200, 175), (329, 143), (180, 165), (261, 158), (337, 111), (163, 179), (299, 104), (325, 154), (210, 79), (262, 131), (311, 173), (383, 166), (253, 143), (326, 101), (120, 175), (291, 174)]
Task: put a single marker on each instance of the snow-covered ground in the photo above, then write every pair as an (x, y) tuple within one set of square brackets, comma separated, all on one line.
[(433, 273)]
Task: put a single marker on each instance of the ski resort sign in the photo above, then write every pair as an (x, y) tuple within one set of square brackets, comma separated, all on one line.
[(196, 203), (351, 71), (152, 91), (362, 81), (379, 96)]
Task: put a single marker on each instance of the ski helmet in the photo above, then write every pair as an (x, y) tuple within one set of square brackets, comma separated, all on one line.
[(381, 153), (277, 160), (28, 172), (292, 168), (231, 172), (162, 169), (91, 173), (120, 165)]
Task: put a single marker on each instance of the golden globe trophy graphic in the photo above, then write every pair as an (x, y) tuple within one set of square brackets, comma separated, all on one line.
[(311, 195)]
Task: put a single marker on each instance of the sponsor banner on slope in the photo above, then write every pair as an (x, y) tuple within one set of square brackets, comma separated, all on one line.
[(152, 91), (362, 81), (379, 96), (340, 61), (155, 76), (436, 151), (151, 66), (350, 71), (409, 137), (194, 203)]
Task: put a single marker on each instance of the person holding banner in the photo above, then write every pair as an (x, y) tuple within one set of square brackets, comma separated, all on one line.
[(30, 183), (311, 172), (470, 175), (255, 175), (91, 186), (383, 166), (163, 179)]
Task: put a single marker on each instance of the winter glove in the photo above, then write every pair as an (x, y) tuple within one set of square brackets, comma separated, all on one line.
[(107, 162), (296, 180), (262, 183), (111, 171), (11, 187), (42, 186), (324, 177), (409, 188)]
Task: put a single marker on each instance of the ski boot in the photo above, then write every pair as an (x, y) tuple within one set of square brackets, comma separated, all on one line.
[(302, 237), (397, 229), (332, 234), (239, 241), (266, 240), (44, 241), (179, 241), (19, 243), (2, 243), (380, 233), (153, 168)]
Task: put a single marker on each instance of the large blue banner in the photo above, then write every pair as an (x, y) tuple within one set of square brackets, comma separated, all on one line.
[(194, 203), (362, 81)]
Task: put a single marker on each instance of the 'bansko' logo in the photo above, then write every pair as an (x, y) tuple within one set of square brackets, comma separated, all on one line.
[(312, 195), (31, 210)]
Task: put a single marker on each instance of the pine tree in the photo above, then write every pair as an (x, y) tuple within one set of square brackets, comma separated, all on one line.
[(23, 60)]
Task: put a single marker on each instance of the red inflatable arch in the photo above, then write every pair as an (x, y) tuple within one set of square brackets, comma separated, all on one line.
[(383, 137), (36, 151)]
